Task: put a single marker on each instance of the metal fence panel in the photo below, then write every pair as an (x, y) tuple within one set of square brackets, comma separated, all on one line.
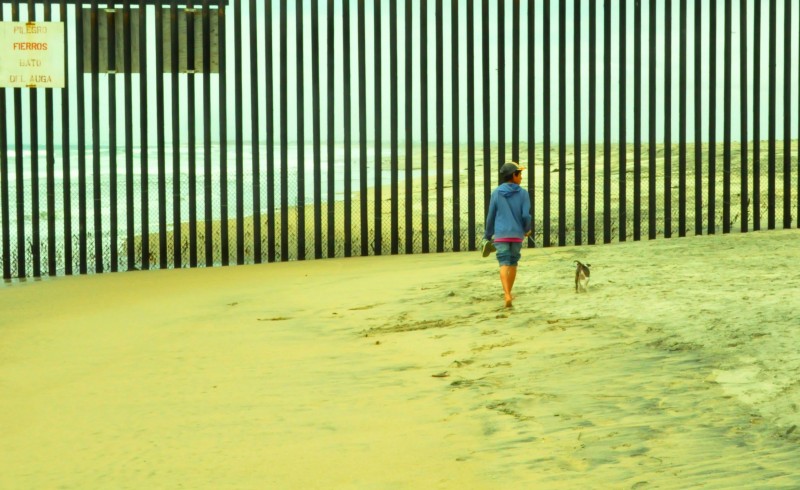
[(212, 132)]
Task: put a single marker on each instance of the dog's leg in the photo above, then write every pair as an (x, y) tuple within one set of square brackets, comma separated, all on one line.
[(585, 277)]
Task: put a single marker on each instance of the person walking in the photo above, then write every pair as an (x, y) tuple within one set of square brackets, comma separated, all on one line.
[(508, 222)]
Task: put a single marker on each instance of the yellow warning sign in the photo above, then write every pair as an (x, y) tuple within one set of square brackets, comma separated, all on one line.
[(33, 54)]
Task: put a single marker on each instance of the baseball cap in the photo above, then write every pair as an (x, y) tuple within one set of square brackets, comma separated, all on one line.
[(509, 168)]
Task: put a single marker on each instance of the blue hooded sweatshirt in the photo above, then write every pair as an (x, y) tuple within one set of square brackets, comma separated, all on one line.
[(509, 214)]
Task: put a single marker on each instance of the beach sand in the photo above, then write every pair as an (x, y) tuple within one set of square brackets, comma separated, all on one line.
[(678, 368)]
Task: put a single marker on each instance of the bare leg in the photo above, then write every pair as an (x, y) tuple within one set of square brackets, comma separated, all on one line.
[(508, 274), (512, 276)]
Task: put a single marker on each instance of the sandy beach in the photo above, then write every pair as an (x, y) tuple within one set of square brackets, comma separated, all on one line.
[(679, 368)]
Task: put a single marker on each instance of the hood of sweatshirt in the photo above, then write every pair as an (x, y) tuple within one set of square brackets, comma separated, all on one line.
[(507, 189)]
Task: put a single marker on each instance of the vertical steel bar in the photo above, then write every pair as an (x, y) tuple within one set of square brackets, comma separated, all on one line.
[(726, 132), (36, 239), (531, 117), (393, 131), (378, 239), (5, 214), (455, 116), (162, 191), (682, 119), (208, 216), (771, 115), (284, 129), (698, 118), (4, 191), (347, 132), (301, 146), (488, 172), (127, 63), (50, 155), (562, 123), (316, 124), (239, 127), (409, 135), (577, 119), (743, 81), (757, 115), (20, 231), (66, 149), (223, 134), (712, 118), (177, 231), (501, 83), (143, 140), (255, 137), (423, 125), (111, 16), (96, 163), (623, 118), (592, 122), (637, 121), (362, 126), (515, 70), (191, 70), (668, 119), (546, 59), (471, 177), (331, 130), (81, 126), (651, 174), (269, 113), (439, 128), (787, 111), (607, 122)]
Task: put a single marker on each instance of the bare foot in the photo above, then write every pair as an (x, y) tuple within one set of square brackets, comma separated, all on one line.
[(508, 303)]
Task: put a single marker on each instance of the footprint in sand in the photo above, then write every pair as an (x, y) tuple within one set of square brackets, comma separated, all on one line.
[(497, 364), (367, 307), (507, 343), (462, 363)]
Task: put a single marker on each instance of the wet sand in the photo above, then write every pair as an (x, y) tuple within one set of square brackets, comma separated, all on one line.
[(678, 368)]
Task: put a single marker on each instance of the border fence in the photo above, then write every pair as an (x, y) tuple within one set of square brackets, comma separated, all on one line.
[(204, 133)]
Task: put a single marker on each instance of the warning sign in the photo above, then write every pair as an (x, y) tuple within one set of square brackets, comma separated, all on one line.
[(33, 54)]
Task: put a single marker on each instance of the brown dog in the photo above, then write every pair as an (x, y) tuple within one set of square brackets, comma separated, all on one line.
[(581, 277)]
